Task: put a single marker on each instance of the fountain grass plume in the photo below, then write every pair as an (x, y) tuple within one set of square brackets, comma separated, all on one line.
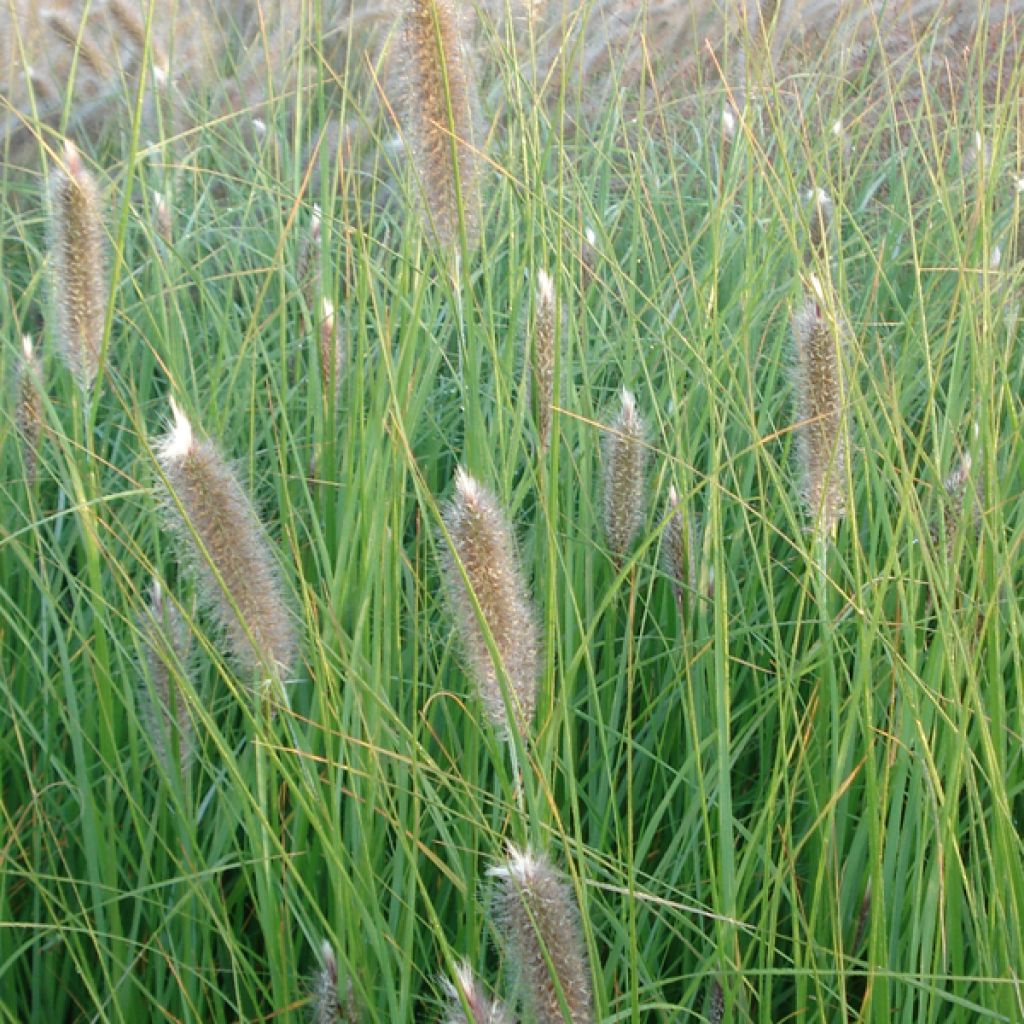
[(536, 915), (542, 350), (162, 706), (679, 550), (327, 1005), (625, 463), (332, 349), (230, 552), (820, 215), (466, 1001), (78, 283), (820, 416), (440, 116), (28, 407), (484, 566)]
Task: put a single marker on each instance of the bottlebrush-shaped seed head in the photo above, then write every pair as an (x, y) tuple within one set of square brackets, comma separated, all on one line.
[(162, 217), (326, 1003), (332, 349), (625, 463), (679, 550), (538, 919), (163, 709), (230, 552), (28, 406), (485, 550), (307, 266), (78, 272), (542, 363), (466, 993), (440, 116), (820, 399)]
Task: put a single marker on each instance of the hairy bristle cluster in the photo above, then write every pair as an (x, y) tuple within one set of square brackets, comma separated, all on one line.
[(958, 485), (162, 704), (624, 467), (679, 550), (440, 116), (332, 349), (28, 411), (539, 922), (542, 367), (820, 221), (230, 552), (484, 549), (162, 217), (714, 1002), (326, 1006), (79, 278), (466, 1001), (820, 397)]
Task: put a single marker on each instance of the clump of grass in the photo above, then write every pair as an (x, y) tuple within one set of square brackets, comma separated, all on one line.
[(78, 267), (542, 350), (538, 918), (28, 412), (820, 399), (483, 570), (440, 108), (162, 705), (625, 463), (466, 1001), (230, 552)]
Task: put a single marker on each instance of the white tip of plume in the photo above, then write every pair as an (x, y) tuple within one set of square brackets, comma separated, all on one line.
[(179, 440), (545, 288)]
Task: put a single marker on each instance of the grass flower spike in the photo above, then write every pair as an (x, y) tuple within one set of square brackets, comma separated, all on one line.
[(624, 467), (332, 351), (466, 992), (230, 552), (535, 912), (679, 551), (484, 549), (28, 412), (162, 705), (440, 116), (543, 353), (78, 271), (820, 397)]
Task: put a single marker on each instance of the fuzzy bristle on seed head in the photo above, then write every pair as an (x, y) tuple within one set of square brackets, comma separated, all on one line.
[(332, 349), (537, 918), (78, 275), (326, 1005), (162, 705), (228, 548), (820, 417), (28, 406), (440, 116), (466, 993), (543, 337), (679, 550), (625, 463), (485, 551)]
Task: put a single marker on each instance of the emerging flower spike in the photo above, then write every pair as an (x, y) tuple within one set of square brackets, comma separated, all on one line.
[(484, 547), (28, 412), (543, 351), (326, 1006), (714, 1002), (821, 219), (162, 217), (162, 704), (679, 551), (820, 395), (441, 116), (332, 350), (625, 461), (465, 991), (230, 552), (307, 267), (957, 485), (79, 279), (536, 914)]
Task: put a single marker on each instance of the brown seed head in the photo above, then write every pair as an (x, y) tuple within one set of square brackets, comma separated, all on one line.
[(28, 411), (484, 546), (440, 105), (625, 462), (537, 916), (162, 702), (820, 397), (466, 992), (543, 352), (79, 280), (230, 553)]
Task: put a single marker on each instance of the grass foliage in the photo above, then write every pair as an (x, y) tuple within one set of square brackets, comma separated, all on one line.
[(805, 781)]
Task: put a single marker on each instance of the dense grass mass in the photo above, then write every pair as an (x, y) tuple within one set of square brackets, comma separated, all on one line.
[(789, 777)]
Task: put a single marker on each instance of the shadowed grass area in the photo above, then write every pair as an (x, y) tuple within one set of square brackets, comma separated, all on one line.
[(802, 781)]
